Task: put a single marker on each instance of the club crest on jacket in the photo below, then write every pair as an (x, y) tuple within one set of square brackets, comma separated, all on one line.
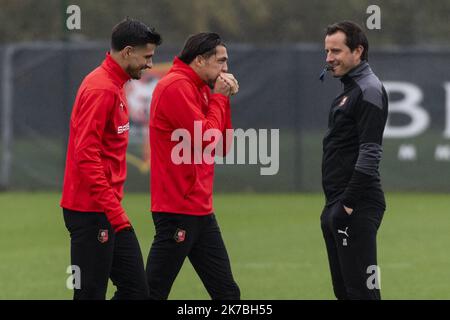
[(343, 101)]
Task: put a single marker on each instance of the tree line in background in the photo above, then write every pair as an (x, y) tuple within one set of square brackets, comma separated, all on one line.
[(403, 22)]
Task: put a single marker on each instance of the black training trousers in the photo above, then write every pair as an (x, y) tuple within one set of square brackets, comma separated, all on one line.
[(197, 237), (101, 254), (352, 254)]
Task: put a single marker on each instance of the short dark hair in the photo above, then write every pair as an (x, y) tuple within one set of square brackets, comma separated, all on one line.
[(354, 36), (203, 44), (130, 32)]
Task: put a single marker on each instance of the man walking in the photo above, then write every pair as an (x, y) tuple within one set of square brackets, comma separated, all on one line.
[(350, 167), (181, 192), (103, 242)]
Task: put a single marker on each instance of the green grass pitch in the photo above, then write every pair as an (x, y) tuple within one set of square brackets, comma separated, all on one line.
[(274, 242)]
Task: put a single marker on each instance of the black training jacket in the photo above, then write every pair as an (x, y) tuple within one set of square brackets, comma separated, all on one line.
[(352, 145)]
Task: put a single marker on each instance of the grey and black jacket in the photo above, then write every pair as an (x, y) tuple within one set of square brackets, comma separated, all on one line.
[(352, 146)]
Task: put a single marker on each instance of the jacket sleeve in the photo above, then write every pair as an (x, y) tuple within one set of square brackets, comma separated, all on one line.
[(370, 121), (92, 119), (182, 109), (227, 135)]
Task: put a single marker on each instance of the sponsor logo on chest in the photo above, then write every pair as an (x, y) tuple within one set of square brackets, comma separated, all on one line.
[(124, 128)]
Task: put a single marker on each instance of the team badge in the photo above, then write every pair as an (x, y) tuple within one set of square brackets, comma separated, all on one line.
[(103, 235), (343, 101), (180, 235)]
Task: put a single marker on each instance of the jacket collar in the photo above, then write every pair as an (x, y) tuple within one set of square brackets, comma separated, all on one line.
[(357, 72), (112, 67), (180, 66)]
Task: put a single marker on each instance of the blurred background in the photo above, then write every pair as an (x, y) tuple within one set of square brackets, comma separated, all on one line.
[(276, 53)]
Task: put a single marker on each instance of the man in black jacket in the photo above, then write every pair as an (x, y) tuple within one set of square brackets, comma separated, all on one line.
[(350, 176)]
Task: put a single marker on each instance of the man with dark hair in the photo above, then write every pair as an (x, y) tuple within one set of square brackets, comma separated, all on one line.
[(181, 193), (352, 151), (103, 242)]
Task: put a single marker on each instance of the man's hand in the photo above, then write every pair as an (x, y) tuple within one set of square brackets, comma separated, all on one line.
[(348, 210), (231, 81), (222, 86), (120, 222)]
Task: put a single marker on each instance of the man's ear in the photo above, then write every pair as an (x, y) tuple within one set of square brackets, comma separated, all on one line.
[(199, 61), (126, 52), (359, 50)]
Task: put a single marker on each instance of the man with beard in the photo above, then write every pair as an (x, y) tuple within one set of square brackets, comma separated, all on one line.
[(193, 96), (103, 242)]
